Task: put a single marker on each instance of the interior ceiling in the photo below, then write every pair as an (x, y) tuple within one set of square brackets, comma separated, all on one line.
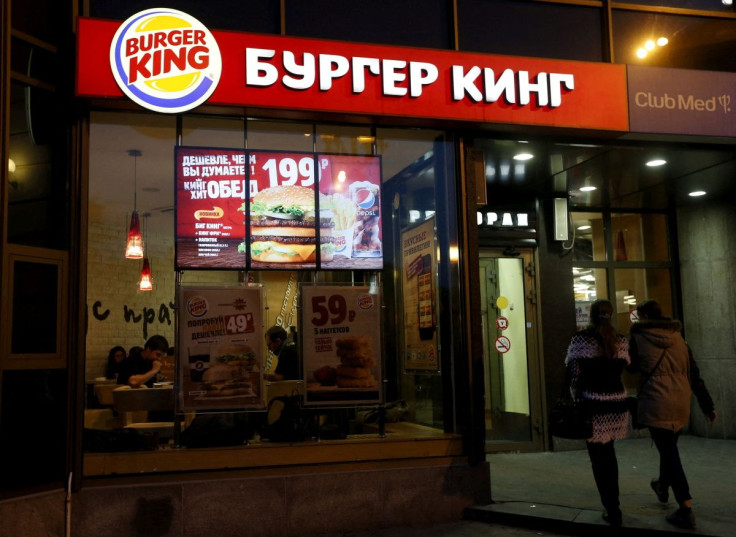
[(619, 172)]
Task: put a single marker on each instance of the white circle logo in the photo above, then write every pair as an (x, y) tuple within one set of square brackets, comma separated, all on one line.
[(165, 60)]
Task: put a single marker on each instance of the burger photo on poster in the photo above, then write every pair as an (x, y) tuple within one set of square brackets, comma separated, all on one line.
[(283, 226), (230, 374)]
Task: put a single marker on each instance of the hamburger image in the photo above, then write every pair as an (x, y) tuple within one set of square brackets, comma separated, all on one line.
[(284, 222), (230, 374)]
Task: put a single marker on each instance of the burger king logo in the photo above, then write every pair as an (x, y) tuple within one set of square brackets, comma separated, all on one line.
[(165, 60), (197, 306)]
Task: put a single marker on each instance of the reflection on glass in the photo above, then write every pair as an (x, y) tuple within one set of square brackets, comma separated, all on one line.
[(589, 243), (636, 285), (589, 284), (639, 237)]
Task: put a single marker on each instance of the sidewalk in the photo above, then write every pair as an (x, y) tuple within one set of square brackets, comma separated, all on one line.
[(556, 491), (553, 495)]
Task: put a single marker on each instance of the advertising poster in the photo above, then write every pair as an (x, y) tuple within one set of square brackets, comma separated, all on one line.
[(283, 225), (220, 338), (418, 259), (341, 343), (210, 217), (351, 189)]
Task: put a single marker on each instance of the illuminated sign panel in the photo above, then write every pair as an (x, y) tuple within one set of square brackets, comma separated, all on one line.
[(277, 210), (331, 76)]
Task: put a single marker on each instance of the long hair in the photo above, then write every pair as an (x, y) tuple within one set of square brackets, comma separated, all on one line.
[(601, 312)]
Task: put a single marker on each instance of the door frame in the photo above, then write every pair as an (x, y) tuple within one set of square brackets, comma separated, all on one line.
[(532, 310)]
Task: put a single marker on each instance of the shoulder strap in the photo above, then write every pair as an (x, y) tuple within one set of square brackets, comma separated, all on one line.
[(649, 373)]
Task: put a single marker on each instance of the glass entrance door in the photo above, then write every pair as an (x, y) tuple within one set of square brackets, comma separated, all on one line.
[(512, 383)]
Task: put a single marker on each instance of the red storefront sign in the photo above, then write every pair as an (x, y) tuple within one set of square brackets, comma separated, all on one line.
[(273, 72)]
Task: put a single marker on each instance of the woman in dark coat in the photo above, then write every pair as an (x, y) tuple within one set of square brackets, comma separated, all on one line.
[(670, 376), (115, 358), (595, 360)]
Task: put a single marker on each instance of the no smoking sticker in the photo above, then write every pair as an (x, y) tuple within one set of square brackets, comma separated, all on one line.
[(502, 344)]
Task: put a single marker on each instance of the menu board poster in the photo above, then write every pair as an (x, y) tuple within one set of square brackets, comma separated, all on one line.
[(210, 208), (341, 344), (220, 340), (284, 229), (419, 281), (351, 189)]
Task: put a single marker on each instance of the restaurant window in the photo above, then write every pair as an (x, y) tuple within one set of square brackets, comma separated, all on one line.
[(521, 28), (588, 237), (633, 286), (131, 169)]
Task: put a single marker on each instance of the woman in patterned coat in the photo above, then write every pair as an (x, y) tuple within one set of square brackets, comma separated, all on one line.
[(595, 360)]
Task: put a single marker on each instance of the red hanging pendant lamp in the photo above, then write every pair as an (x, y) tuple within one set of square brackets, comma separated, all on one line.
[(134, 244), (146, 283)]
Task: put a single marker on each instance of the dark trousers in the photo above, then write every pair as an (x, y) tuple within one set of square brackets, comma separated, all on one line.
[(671, 473), (605, 472)]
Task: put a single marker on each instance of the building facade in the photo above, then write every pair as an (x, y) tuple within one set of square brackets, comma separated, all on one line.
[(520, 174)]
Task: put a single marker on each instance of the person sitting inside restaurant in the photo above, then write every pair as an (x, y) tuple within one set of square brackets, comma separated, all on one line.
[(115, 359), (287, 367), (141, 368)]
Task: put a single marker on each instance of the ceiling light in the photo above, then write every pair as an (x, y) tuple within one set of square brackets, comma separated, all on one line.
[(588, 188), (146, 281), (649, 45), (697, 193), (641, 53), (366, 139), (11, 165), (656, 162), (523, 156), (727, 2), (583, 228), (662, 41)]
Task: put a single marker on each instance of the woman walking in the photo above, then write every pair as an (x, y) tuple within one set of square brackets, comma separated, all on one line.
[(595, 360)]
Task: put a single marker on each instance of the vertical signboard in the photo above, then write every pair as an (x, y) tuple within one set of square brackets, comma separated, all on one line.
[(210, 208), (341, 341), (219, 341), (350, 188), (418, 259)]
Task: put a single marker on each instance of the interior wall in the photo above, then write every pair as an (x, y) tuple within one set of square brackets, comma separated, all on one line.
[(707, 242)]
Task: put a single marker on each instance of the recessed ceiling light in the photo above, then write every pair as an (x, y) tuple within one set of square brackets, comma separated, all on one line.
[(697, 193), (588, 188), (523, 156), (656, 162)]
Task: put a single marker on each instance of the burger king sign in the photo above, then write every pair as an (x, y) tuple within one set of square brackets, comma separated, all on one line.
[(165, 60)]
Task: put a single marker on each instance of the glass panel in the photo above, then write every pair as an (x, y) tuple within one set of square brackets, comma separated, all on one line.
[(701, 5), (589, 284), (522, 29), (341, 139), (590, 237), (37, 192), (279, 135), (35, 308), (261, 16), (410, 163), (212, 132), (639, 237), (35, 427), (507, 375), (691, 42), (636, 285), (420, 23)]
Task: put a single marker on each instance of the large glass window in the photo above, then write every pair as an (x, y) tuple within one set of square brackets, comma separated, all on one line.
[(131, 168)]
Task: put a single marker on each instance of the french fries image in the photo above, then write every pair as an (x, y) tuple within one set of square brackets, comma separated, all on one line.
[(344, 211)]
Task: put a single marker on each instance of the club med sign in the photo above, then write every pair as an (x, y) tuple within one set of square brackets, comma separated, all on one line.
[(274, 72)]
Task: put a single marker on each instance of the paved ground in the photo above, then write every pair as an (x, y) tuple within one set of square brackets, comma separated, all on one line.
[(553, 494)]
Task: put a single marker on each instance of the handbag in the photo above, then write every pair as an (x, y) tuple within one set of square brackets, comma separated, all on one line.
[(569, 417)]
